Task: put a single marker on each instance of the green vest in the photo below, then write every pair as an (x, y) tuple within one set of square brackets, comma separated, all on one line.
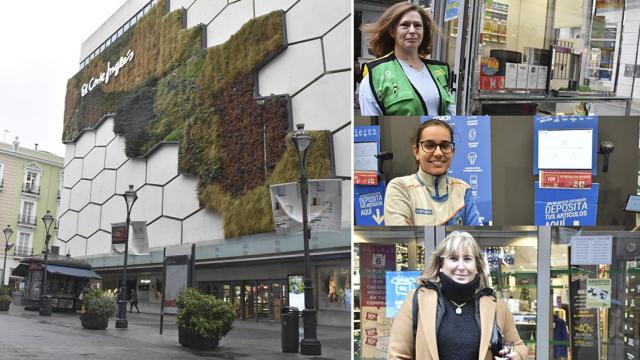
[(395, 94)]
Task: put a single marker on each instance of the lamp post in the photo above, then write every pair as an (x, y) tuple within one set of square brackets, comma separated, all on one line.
[(309, 345), (130, 197), (7, 234), (45, 304)]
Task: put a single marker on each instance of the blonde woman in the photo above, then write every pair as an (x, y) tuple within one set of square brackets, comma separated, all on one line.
[(455, 314)]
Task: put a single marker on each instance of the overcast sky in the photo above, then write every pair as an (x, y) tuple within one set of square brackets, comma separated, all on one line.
[(40, 42)]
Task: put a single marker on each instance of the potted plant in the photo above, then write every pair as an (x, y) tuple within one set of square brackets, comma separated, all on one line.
[(202, 319), (5, 298), (99, 306)]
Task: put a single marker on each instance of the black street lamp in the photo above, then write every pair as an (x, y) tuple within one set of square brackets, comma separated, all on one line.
[(7, 234), (45, 303), (309, 345), (130, 197)]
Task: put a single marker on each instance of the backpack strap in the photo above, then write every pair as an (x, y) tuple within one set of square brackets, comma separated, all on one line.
[(415, 311)]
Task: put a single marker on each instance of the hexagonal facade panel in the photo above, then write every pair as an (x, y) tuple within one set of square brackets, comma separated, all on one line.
[(85, 143), (164, 232), (89, 220), (229, 22), (115, 155), (265, 7), (93, 163), (296, 67), (103, 186), (203, 11), (316, 115), (162, 165), (67, 225), (72, 173), (104, 133), (70, 150), (312, 18), (341, 148), (80, 195), (113, 211), (77, 246), (131, 173), (65, 196), (180, 197), (148, 207), (204, 225), (336, 44), (99, 243)]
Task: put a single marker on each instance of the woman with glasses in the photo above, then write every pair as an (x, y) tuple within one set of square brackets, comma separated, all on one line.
[(454, 314), (402, 81), (430, 196)]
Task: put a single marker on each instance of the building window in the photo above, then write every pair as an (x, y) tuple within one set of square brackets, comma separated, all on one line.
[(27, 213), (31, 183), (1, 175), (24, 248)]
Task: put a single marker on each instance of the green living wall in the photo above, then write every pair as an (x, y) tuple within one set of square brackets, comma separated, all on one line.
[(173, 90)]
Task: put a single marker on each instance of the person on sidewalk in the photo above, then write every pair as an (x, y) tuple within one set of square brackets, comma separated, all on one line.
[(133, 300)]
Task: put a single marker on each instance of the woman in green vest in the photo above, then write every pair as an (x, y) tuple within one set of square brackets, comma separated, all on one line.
[(402, 81)]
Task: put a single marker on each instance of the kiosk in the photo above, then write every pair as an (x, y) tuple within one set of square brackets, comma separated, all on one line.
[(65, 280)]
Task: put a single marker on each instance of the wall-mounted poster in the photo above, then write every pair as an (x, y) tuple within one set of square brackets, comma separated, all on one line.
[(296, 291)]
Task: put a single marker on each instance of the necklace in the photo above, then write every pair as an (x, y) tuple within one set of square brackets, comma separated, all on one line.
[(458, 306)]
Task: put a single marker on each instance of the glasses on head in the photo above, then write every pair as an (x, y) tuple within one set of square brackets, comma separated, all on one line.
[(429, 146)]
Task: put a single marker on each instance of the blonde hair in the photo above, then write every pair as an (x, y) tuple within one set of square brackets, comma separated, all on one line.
[(380, 40), (450, 245)]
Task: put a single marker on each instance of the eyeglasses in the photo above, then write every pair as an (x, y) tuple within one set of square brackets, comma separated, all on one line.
[(429, 146)]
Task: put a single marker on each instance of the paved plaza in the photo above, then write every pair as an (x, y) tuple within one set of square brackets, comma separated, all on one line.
[(26, 335)]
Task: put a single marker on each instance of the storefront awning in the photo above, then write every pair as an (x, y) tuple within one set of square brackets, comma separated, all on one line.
[(75, 272)]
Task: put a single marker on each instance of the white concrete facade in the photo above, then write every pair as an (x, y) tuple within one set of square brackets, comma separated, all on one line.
[(314, 70)]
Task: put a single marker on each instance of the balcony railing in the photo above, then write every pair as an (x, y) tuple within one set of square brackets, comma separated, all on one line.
[(27, 220), (31, 189), (24, 252)]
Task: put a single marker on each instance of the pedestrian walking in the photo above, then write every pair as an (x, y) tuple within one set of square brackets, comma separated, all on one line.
[(133, 300)]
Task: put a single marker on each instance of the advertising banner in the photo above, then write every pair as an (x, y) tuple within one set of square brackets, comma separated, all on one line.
[(368, 188), (472, 160), (566, 207), (584, 321), (375, 261), (324, 206), (451, 10), (138, 239), (399, 283), (176, 270), (565, 143), (296, 291)]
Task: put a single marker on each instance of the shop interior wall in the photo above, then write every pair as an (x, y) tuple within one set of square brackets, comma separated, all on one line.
[(512, 164)]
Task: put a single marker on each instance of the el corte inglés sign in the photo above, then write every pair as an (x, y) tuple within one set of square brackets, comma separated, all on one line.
[(112, 71)]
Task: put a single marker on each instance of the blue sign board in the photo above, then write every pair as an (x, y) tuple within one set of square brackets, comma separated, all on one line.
[(398, 285), (548, 123), (472, 160), (566, 207), (368, 199), (369, 204)]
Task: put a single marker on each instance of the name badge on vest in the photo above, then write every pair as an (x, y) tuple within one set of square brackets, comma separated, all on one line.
[(423, 211)]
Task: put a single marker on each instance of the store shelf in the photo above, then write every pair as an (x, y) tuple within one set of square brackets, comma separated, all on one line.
[(497, 11), (492, 33)]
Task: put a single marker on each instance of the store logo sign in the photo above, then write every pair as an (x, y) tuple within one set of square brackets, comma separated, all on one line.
[(112, 71)]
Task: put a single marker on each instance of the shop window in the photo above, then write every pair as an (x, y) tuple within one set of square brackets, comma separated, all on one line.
[(595, 285)]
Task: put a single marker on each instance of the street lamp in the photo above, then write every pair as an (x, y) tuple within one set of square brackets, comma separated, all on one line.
[(45, 304), (130, 197), (309, 345), (7, 234)]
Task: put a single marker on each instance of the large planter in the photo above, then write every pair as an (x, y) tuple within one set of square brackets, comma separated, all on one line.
[(93, 322), (4, 306), (188, 338)]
